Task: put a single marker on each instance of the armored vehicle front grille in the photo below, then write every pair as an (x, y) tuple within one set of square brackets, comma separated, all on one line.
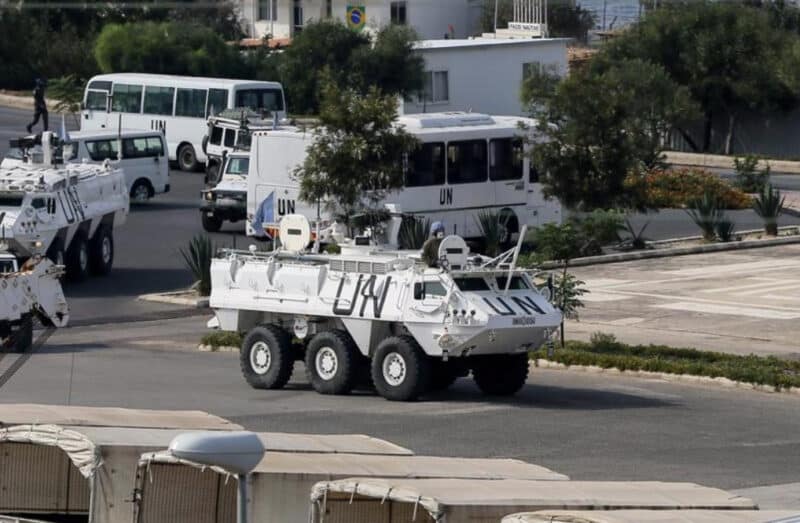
[(350, 266), (378, 268), (337, 265), (363, 267)]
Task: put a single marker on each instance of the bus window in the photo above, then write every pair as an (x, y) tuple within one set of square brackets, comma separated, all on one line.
[(505, 159), (466, 161), (100, 150), (260, 99), (158, 100), (96, 100), (127, 98), (100, 85), (191, 103), (217, 101), (216, 136), (426, 166)]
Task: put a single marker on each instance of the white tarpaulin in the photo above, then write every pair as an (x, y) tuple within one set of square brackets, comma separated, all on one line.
[(369, 500), (281, 483), (656, 516)]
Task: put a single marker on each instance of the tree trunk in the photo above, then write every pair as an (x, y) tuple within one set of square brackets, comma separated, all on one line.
[(709, 120), (729, 135), (686, 136)]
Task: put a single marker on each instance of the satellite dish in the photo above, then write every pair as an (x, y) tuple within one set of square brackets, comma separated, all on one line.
[(295, 232), (453, 253), (236, 452)]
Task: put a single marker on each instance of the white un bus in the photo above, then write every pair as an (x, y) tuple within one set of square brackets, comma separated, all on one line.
[(176, 105), (466, 163)]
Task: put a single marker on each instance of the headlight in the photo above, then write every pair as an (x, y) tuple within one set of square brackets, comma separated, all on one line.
[(209, 196)]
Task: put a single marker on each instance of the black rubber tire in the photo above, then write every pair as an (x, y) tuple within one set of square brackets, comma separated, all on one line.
[(137, 188), (187, 159), (278, 344), (501, 374), (347, 362), (416, 364), (99, 264), (56, 252), (210, 223), (21, 338), (444, 375), (77, 258)]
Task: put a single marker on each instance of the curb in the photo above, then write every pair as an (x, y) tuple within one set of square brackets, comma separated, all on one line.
[(185, 298), (675, 251), (678, 378), (217, 348), (25, 102), (719, 161)]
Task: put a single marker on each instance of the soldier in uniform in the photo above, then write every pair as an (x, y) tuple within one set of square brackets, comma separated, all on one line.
[(430, 250), (40, 106)]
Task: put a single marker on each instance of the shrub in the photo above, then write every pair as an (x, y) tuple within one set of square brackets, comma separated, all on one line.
[(674, 189), (706, 214), (725, 230), (769, 205), (413, 232), (197, 257), (492, 225), (748, 177), (635, 239), (599, 228), (217, 339)]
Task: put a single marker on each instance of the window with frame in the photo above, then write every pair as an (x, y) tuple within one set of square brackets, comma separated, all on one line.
[(96, 100), (240, 166), (268, 10), (216, 136), (191, 103), (398, 13), (436, 88), (466, 162), (530, 68), (506, 159), (158, 100), (230, 137), (127, 98), (100, 150), (426, 166), (142, 147), (260, 99), (217, 101)]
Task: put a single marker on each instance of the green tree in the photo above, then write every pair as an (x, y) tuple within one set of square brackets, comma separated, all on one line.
[(602, 125), (357, 156), (732, 58), (564, 19)]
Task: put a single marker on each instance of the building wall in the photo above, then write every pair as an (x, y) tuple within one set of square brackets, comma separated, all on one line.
[(487, 79), (430, 18)]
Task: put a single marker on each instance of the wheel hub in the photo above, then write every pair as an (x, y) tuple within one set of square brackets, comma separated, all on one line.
[(394, 369), (260, 358), (106, 250), (141, 193), (326, 363)]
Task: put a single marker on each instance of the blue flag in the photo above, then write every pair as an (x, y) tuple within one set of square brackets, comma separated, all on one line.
[(265, 213)]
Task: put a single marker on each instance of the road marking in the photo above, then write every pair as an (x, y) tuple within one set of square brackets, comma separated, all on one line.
[(796, 297), (732, 268), (672, 297), (593, 296), (633, 320), (606, 282), (764, 281), (733, 310)]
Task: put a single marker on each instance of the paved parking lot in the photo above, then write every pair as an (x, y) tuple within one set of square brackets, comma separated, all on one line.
[(738, 301)]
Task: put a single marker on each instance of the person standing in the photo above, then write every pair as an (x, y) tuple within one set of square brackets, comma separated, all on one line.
[(39, 106), (430, 250)]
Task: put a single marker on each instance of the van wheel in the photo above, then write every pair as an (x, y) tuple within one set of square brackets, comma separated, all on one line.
[(332, 362), (187, 159), (77, 258), (101, 251), (266, 357), (211, 223), (401, 371), (141, 191), (501, 374)]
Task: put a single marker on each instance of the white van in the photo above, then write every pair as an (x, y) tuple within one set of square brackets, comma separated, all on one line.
[(143, 159)]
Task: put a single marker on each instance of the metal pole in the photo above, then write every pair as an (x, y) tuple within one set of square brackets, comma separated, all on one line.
[(496, 2), (241, 513)]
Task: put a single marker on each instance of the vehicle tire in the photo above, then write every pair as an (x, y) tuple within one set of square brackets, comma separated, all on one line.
[(332, 361), (141, 191), (56, 252), (187, 159), (266, 357), (21, 339), (101, 251), (444, 374), (210, 223), (77, 258), (401, 371), (213, 169), (501, 374)]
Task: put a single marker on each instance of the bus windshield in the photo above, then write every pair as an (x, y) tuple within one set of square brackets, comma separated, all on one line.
[(260, 99)]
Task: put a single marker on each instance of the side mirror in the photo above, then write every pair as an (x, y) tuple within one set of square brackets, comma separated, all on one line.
[(419, 291)]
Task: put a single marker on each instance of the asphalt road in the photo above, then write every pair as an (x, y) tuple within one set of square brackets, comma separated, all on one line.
[(587, 426), (147, 255)]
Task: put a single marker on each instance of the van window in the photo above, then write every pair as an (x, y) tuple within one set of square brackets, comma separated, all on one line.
[(100, 150), (142, 147), (260, 99), (217, 101), (127, 98), (96, 100), (158, 100), (216, 136), (466, 161), (191, 102), (230, 137), (155, 146), (426, 166), (505, 159)]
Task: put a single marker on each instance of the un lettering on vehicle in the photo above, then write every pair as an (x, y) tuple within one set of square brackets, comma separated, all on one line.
[(364, 291), (286, 206)]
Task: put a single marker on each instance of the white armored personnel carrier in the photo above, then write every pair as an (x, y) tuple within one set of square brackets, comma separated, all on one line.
[(66, 211), (33, 291), (380, 313)]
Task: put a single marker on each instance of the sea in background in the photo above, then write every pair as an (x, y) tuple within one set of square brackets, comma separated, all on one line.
[(618, 13)]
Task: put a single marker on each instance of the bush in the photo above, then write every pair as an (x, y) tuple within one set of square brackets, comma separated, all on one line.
[(492, 225), (769, 205), (217, 339), (413, 232), (599, 228), (197, 258), (674, 189), (748, 177), (706, 214)]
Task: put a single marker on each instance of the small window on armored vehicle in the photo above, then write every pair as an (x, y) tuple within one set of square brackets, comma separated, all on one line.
[(230, 138), (429, 289), (11, 200), (7, 265), (238, 166), (38, 203), (216, 136), (518, 283), (471, 284)]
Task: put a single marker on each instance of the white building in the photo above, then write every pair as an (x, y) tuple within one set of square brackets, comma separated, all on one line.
[(430, 18), (482, 74)]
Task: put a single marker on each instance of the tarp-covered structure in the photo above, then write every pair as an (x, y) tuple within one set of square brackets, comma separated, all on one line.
[(656, 516), (180, 491), (370, 500)]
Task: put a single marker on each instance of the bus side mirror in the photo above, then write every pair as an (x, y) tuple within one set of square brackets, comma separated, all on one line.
[(419, 291)]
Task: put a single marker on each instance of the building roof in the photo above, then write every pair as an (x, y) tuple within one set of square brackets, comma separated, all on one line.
[(464, 43), (655, 516)]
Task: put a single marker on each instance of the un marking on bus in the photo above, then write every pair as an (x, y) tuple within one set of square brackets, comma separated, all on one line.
[(446, 196)]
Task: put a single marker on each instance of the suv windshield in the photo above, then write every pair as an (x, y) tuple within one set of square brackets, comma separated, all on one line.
[(238, 166)]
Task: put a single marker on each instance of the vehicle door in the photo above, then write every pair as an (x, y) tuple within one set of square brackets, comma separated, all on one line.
[(96, 105), (141, 159)]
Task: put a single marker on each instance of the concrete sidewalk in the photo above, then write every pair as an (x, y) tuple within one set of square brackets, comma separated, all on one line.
[(718, 161)]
